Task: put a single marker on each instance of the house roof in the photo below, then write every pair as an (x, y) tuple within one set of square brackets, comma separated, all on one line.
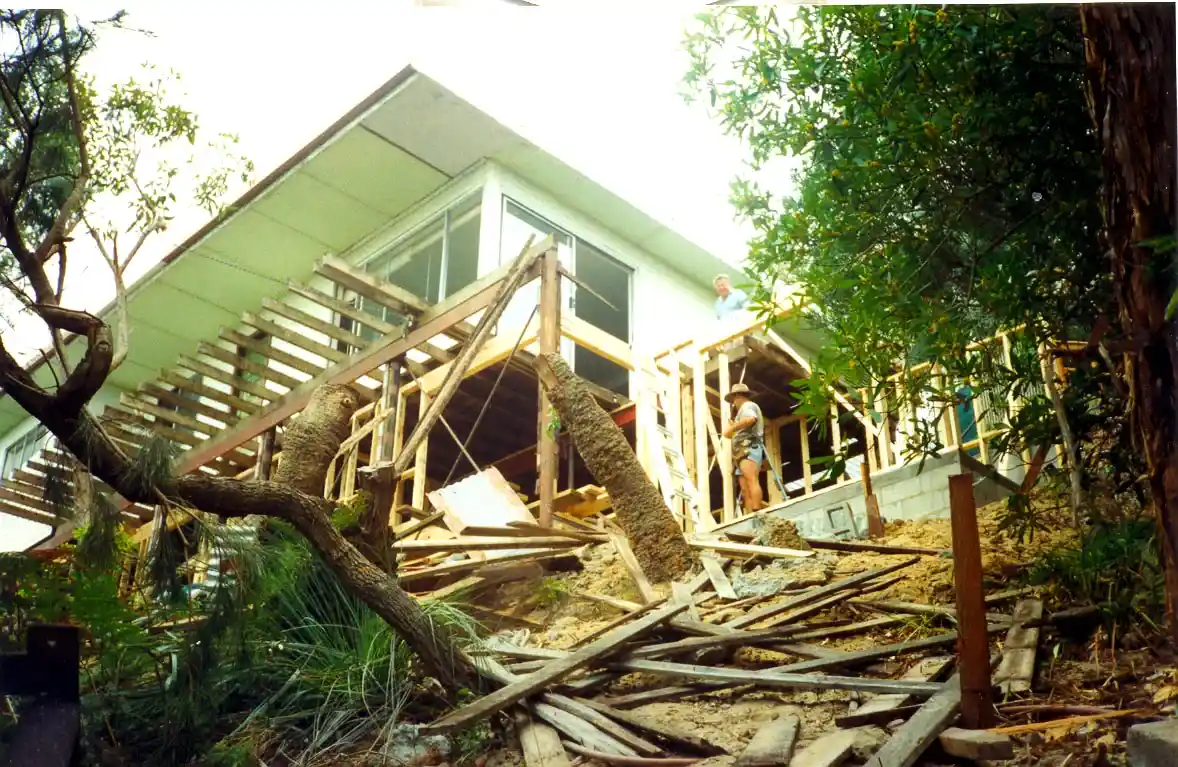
[(403, 142)]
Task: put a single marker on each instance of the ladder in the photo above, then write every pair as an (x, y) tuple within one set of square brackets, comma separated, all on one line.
[(664, 446)]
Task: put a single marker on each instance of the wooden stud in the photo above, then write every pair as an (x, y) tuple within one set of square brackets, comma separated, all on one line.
[(702, 418), (807, 470), (977, 704), (725, 459)]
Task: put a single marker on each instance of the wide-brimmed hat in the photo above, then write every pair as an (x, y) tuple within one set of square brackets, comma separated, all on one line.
[(737, 390)]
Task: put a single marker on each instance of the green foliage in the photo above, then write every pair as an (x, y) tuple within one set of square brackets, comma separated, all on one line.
[(348, 514), (1117, 567), (949, 182), (552, 592), (102, 544)]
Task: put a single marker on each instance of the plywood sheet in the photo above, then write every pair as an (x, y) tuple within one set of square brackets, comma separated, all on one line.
[(480, 500)]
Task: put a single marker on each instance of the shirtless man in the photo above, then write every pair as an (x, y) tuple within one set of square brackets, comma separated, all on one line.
[(747, 432)]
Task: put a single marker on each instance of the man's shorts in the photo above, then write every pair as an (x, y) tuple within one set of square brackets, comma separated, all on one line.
[(756, 454)]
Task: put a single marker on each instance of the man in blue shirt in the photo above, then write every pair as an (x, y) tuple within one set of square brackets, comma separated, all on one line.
[(730, 300)]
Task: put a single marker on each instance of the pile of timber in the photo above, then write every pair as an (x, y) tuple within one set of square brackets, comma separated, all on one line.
[(560, 703)]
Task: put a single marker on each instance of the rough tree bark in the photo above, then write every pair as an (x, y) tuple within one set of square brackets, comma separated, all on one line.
[(658, 543), (1131, 83)]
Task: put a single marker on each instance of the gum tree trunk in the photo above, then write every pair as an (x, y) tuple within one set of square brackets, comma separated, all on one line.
[(658, 543), (1130, 60)]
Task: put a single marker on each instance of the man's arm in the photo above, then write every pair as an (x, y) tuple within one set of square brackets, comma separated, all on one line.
[(738, 424)]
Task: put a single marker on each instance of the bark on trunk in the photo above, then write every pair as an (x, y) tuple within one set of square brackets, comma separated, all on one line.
[(1131, 82), (658, 543)]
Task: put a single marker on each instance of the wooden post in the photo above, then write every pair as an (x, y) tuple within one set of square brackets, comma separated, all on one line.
[(807, 470), (875, 528), (265, 458), (773, 456), (547, 455), (699, 396), (390, 406), (836, 438), (973, 644), (725, 461), (421, 457)]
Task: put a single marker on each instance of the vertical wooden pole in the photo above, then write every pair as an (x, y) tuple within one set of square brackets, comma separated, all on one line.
[(421, 458), (875, 527), (973, 644), (807, 470), (390, 408), (869, 455), (547, 452), (836, 438), (265, 458), (699, 400), (773, 455), (725, 460)]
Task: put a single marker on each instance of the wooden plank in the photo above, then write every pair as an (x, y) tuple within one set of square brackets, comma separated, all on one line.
[(1016, 671), (620, 620), (238, 383), (622, 546), (581, 731), (200, 390), (601, 722), (925, 670), (679, 739), (481, 544), (882, 651), (173, 399), (701, 420), (461, 568), (248, 365), (973, 647), (879, 548), (540, 743), (914, 736), (724, 454), (558, 669), (417, 525), (750, 549), (268, 350), (821, 592), (385, 293), (773, 744), (914, 608), (343, 308), (547, 455), (597, 341), (830, 750), (719, 579), (775, 680)]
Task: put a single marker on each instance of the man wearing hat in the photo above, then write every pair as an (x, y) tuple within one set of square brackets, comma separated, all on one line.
[(747, 432)]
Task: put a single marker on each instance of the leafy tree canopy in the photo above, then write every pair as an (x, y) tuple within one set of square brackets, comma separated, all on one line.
[(950, 180)]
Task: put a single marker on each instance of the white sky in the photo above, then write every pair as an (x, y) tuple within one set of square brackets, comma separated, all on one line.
[(598, 88)]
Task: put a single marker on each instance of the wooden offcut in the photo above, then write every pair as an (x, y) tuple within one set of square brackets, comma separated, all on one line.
[(505, 696), (976, 744), (973, 645), (830, 750), (773, 744), (1016, 671)]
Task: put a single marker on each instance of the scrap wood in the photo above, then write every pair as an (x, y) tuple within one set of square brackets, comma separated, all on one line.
[(922, 728), (630, 761), (417, 525), (557, 669), (726, 547), (1070, 722), (622, 619), (579, 730), (574, 522), (925, 670), (817, 593), (804, 611), (539, 742), (622, 546), (715, 570), (531, 528), (625, 605), (878, 548), (847, 630), (498, 616), (915, 608), (881, 585), (880, 717), (1015, 709), (772, 744), (828, 751), (1016, 671), (772, 679), (463, 543), (635, 699), (682, 740), (736, 638), (544, 556), (600, 721)]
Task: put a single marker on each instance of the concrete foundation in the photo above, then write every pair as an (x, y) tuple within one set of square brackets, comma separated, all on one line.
[(909, 492)]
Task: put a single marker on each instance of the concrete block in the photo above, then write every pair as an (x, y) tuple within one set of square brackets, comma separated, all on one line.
[(976, 744), (1154, 744)]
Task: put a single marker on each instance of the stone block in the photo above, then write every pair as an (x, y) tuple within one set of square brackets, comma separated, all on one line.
[(1154, 744)]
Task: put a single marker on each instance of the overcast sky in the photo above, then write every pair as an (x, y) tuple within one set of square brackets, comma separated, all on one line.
[(600, 89)]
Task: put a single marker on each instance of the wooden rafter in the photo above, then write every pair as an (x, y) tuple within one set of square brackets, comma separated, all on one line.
[(329, 353), (387, 294), (329, 329), (301, 364), (174, 399), (242, 363)]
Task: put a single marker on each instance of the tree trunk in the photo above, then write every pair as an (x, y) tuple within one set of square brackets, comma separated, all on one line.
[(654, 534), (1130, 62), (283, 498)]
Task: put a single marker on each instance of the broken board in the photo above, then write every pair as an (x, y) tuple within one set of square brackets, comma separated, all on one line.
[(480, 500)]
